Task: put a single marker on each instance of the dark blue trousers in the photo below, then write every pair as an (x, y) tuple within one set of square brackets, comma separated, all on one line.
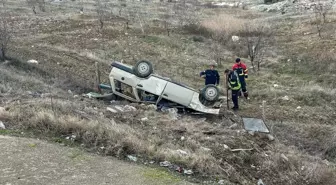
[(235, 94)]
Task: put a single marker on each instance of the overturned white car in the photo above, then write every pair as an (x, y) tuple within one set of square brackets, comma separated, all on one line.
[(139, 84)]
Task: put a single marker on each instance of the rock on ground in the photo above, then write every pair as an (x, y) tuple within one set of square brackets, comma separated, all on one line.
[(32, 61)]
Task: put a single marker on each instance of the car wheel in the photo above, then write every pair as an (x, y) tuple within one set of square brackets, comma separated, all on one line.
[(143, 69), (210, 93)]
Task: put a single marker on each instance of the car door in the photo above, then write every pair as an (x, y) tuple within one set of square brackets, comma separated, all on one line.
[(178, 94), (152, 85)]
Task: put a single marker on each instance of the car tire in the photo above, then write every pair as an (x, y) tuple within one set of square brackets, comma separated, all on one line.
[(210, 93), (143, 69)]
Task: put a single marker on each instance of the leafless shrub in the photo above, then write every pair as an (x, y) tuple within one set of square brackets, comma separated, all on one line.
[(37, 3), (321, 10), (100, 13), (6, 33), (255, 37), (167, 18), (122, 5), (3, 3), (186, 13)]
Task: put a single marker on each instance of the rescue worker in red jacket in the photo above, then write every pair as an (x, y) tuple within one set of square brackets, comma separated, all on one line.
[(242, 72)]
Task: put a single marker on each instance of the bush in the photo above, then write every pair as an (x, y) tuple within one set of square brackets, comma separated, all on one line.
[(198, 39), (197, 30)]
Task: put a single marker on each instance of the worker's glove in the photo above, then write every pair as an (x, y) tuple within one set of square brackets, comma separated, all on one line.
[(246, 76)]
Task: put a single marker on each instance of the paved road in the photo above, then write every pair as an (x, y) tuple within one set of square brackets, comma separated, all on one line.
[(34, 162)]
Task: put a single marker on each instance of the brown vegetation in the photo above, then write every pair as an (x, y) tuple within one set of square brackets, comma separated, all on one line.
[(67, 45)]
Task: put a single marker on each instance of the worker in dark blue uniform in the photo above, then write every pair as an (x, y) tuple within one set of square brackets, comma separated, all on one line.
[(211, 76)]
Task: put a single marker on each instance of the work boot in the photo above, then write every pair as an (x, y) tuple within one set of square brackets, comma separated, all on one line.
[(235, 108)]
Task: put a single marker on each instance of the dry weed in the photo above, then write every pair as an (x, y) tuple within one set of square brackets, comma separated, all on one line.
[(224, 24)]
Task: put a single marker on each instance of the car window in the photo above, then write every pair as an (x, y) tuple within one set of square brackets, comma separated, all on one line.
[(124, 89)]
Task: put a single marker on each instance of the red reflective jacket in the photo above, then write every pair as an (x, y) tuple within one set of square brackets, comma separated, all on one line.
[(241, 68)]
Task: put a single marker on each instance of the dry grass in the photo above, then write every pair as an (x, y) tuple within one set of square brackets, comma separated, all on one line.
[(67, 45), (224, 24), (113, 134)]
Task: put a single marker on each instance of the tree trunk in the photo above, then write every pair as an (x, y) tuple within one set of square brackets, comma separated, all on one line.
[(259, 65), (101, 23), (2, 54), (252, 62), (34, 9)]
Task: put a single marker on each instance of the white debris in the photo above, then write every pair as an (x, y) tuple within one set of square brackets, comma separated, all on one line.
[(235, 38), (32, 61), (226, 147), (284, 157), (2, 126), (221, 182), (233, 126), (172, 113), (270, 137), (132, 158), (151, 106), (111, 110), (165, 163), (206, 149), (298, 107), (144, 119), (182, 138), (129, 108), (182, 152), (275, 85), (260, 182), (119, 108), (225, 4), (188, 172), (286, 98)]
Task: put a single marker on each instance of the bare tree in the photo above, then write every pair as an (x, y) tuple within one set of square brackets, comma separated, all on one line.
[(41, 5), (32, 4), (3, 3), (36, 3), (100, 13), (167, 18), (6, 33), (187, 12), (256, 38), (122, 5), (321, 10)]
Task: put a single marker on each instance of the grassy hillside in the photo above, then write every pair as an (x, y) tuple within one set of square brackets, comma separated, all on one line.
[(295, 79)]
